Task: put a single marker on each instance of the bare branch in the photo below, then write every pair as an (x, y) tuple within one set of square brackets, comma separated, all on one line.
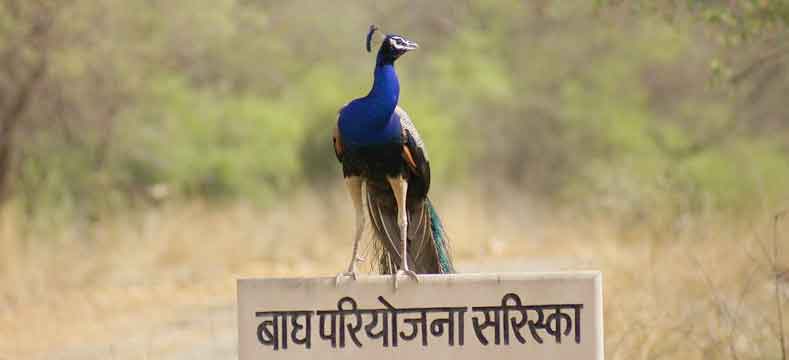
[(776, 55)]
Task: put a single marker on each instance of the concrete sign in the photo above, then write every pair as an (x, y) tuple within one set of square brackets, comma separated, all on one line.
[(463, 316)]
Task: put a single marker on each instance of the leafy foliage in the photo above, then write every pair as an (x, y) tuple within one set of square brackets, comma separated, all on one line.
[(222, 100)]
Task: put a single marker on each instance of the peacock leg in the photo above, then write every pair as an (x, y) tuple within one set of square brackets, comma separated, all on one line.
[(400, 189), (357, 187)]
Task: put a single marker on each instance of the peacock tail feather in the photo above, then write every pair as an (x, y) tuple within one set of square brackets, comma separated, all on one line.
[(439, 239), (428, 252)]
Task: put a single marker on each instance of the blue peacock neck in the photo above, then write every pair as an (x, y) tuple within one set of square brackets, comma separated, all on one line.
[(385, 91)]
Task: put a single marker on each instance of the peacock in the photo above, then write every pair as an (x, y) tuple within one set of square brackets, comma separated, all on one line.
[(387, 173)]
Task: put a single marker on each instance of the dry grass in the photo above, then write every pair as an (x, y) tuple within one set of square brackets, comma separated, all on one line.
[(160, 284)]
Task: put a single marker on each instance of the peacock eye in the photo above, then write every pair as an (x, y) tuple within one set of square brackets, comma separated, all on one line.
[(397, 42)]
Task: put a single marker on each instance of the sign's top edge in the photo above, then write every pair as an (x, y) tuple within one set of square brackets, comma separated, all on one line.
[(503, 276)]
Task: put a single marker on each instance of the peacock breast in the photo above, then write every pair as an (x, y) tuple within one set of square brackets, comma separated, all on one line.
[(359, 127)]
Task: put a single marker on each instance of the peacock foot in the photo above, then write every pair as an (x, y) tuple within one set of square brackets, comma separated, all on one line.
[(340, 276), (407, 273)]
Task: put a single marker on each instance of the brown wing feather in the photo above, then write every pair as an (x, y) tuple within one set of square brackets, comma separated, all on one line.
[(337, 142), (409, 159), (336, 139)]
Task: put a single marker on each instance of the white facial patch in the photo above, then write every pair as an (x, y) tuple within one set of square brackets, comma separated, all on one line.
[(400, 43)]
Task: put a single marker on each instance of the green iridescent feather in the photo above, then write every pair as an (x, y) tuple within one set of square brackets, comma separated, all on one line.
[(439, 239)]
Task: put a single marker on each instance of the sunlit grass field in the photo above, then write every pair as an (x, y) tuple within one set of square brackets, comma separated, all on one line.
[(160, 284)]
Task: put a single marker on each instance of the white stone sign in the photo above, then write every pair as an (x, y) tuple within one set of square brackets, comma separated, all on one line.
[(463, 316)]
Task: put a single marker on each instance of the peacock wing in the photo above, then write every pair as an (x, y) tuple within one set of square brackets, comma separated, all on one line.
[(414, 153), (336, 138)]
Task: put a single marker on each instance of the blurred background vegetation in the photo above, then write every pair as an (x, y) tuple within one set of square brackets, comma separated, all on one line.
[(108, 105), (144, 140)]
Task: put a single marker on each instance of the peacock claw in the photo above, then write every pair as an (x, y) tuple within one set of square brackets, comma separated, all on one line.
[(341, 275), (407, 273)]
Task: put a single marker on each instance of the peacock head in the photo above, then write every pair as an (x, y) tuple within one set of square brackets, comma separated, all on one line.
[(392, 47)]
